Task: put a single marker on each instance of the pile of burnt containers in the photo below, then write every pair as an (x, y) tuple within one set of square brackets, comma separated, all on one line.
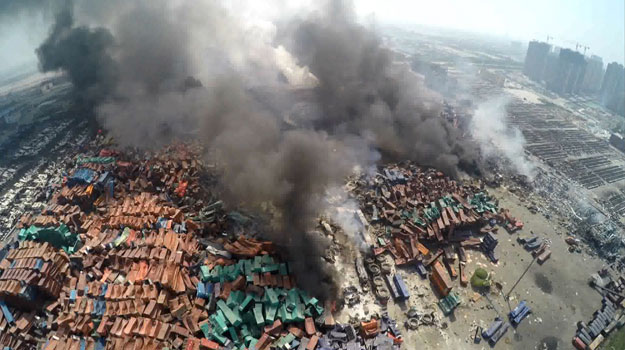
[(588, 334)]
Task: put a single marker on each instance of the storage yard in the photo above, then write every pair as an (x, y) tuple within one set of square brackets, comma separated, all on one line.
[(110, 248), (556, 290), (384, 213), (112, 263), (128, 252), (552, 137)]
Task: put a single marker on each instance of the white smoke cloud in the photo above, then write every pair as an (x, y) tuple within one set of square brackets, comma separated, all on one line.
[(489, 127), (343, 211), (300, 77)]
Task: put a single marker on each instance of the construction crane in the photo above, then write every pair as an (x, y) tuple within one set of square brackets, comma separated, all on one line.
[(581, 46)]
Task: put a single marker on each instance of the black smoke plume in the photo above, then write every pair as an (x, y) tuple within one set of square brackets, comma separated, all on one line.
[(84, 54), (280, 144), (362, 92)]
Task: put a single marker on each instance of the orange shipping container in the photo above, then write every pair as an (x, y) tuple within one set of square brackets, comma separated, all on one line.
[(440, 279)]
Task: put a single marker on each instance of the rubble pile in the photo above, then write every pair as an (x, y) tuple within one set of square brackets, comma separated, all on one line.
[(420, 217), (568, 204), (608, 317), (17, 328), (59, 237), (31, 272), (127, 255), (408, 207)]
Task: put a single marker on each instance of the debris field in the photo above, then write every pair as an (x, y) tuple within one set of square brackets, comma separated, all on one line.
[(130, 253), (127, 255)]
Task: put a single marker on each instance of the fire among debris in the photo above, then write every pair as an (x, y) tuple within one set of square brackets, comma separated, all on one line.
[(128, 254)]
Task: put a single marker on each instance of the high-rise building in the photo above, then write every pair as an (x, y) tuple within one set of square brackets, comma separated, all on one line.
[(552, 63), (569, 73), (613, 88), (535, 60), (593, 75)]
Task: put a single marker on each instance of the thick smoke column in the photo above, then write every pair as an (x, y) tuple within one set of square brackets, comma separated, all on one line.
[(133, 60), (84, 54), (363, 93)]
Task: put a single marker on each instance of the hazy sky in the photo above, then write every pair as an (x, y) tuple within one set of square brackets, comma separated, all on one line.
[(599, 24), (19, 37)]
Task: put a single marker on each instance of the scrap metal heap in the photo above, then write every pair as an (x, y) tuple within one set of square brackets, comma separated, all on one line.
[(421, 217), (125, 257), (608, 317)]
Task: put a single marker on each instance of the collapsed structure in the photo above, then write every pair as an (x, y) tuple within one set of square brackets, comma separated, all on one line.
[(420, 216), (124, 256), (425, 221)]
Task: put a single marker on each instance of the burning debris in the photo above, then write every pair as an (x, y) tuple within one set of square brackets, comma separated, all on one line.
[(363, 105), (137, 248), (416, 217), (121, 256)]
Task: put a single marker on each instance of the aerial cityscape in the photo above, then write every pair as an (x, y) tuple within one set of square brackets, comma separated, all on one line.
[(234, 175)]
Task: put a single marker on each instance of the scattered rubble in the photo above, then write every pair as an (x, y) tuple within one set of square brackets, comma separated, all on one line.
[(128, 254), (421, 218), (608, 317)]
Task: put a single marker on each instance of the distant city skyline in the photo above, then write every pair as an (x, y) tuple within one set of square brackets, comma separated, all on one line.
[(598, 24)]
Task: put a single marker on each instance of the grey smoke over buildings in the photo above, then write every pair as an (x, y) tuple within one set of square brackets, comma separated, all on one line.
[(128, 66)]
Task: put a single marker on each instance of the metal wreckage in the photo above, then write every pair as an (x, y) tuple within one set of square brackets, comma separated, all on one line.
[(133, 250)]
